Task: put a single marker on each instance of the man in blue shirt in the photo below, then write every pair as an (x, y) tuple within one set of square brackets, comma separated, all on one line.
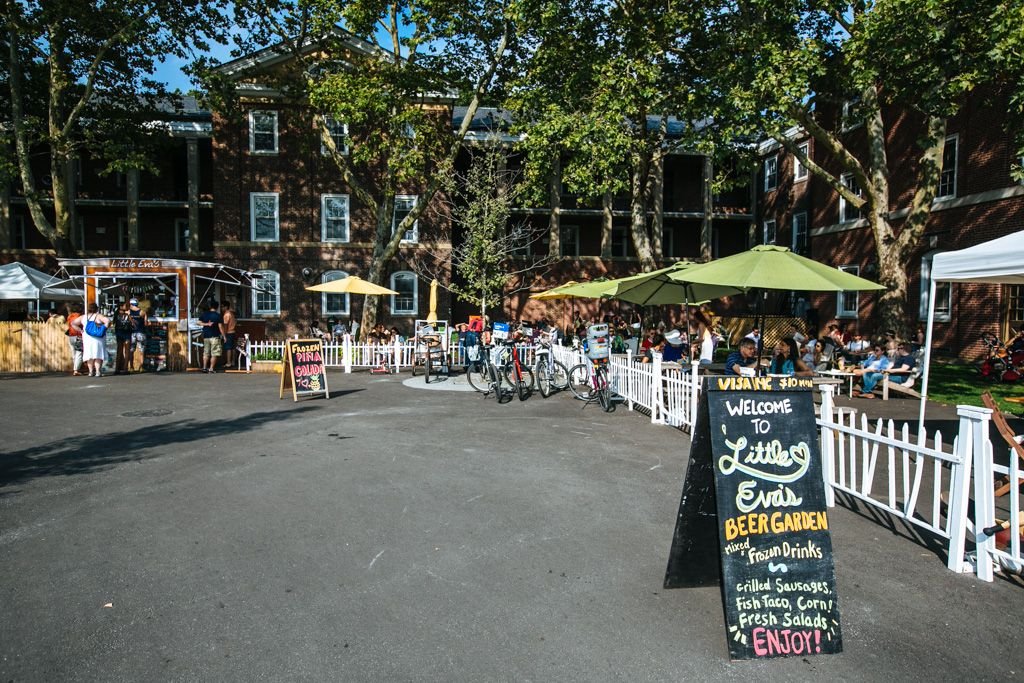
[(744, 356), (213, 336)]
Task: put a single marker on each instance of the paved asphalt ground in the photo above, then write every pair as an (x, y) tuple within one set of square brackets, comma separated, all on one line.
[(395, 534)]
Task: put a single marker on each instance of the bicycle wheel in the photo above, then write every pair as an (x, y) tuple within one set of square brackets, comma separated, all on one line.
[(604, 394), (499, 393), (559, 376), (476, 375), (579, 381), (525, 387), (544, 379)]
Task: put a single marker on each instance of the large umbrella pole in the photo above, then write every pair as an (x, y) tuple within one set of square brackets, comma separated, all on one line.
[(927, 358)]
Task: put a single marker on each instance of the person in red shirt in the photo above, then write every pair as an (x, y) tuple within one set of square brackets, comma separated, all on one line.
[(75, 339)]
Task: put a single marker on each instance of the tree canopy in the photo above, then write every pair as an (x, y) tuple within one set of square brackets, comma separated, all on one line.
[(79, 75)]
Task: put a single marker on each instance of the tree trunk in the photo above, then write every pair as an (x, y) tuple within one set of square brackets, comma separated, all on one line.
[(638, 209), (892, 303)]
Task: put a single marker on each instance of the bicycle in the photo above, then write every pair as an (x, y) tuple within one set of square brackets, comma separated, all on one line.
[(999, 364), (484, 375), (551, 375), (518, 376), (589, 382)]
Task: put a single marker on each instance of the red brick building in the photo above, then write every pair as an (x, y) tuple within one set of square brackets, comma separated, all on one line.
[(978, 200)]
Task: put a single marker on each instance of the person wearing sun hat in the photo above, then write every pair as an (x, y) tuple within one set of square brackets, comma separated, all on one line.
[(673, 351)]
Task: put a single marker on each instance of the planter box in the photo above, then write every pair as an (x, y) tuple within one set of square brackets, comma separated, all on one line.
[(267, 366)]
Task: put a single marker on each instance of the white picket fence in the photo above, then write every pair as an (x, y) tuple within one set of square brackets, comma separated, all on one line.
[(349, 354), (925, 485), (989, 556), (665, 392)]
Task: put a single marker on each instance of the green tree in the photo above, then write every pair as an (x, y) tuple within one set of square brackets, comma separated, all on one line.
[(77, 75), (491, 255), (596, 95), (383, 90), (781, 65)]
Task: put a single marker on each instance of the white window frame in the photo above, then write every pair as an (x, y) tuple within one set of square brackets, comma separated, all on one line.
[(272, 279), (771, 173), (950, 173), (770, 232), (800, 172), (800, 243), (574, 231), (252, 131), (182, 235), (324, 199), (342, 143), (253, 196), (843, 310), (847, 180), (325, 297), (414, 309), (412, 236), (943, 292)]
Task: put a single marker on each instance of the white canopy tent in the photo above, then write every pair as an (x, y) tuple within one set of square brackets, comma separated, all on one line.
[(999, 261), (19, 282)]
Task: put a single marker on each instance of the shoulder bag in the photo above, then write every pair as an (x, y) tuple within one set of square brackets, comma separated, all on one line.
[(94, 329)]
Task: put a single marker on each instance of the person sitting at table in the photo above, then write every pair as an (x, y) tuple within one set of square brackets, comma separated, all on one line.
[(648, 340), (657, 346), (744, 356), (673, 349), (857, 348), (810, 352), (904, 364), (870, 371), (787, 360)]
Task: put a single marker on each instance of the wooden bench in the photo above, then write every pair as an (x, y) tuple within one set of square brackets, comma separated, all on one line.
[(906, 388)]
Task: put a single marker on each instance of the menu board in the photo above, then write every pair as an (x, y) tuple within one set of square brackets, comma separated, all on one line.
[(154, 352), (304, 369), (753, 516)]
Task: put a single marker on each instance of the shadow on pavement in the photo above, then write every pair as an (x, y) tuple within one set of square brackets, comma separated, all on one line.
[(90, 453)]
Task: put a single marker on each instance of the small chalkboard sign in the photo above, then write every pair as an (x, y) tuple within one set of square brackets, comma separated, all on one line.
[(304, 369), (753, 516)]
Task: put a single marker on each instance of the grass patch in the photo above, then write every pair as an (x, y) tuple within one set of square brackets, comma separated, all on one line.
[(955, 384)]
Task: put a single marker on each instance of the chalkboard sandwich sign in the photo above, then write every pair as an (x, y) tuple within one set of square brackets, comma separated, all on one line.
[(753, 518), (304, 369)]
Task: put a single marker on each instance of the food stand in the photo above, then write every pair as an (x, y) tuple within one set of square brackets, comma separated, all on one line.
[(172, 292)]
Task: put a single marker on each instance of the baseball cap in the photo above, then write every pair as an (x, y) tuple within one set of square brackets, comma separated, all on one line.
[(133, 301)]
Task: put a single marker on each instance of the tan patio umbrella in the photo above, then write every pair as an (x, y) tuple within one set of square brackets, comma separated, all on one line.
[(350, 285), (432, 315)]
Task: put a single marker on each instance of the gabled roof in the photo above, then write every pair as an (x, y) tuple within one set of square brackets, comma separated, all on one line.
[(279, 52)]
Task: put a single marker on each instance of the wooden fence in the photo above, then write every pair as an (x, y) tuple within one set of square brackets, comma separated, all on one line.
[(33, 347)]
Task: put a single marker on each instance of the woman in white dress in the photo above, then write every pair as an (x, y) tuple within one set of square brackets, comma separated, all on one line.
[(704, 337), (94, 350)]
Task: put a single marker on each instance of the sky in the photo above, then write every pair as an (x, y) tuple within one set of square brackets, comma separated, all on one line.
[(170, 71)]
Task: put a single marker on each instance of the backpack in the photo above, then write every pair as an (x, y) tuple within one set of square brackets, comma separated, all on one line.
[(124, 323)]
